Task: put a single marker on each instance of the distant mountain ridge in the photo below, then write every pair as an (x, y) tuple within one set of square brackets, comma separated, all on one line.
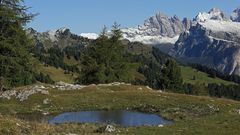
[(213, 14), (213, 40), (61, 37), (158, 29)]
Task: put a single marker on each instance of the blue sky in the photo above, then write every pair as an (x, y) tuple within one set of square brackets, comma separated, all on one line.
[(91, 15)]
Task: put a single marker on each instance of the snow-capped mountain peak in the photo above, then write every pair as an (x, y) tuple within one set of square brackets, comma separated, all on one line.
[(213, 14), (213, 40), (54, 34), (235, 16), (157, 29)]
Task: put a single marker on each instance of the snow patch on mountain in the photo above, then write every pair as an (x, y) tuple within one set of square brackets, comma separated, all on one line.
[(222, 26), (90, 35), (152, 40), (220, 39)]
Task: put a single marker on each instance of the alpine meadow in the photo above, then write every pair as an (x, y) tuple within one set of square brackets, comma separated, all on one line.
[(168, 75)]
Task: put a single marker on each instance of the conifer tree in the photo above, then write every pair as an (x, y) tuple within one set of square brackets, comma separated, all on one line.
[(171, 76), (104, 62), (15, 68)]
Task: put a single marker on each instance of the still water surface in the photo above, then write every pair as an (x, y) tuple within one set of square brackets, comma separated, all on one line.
[(123, 118)]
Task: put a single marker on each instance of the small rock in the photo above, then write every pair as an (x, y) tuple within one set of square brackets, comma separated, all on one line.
[(46, 101), (238, 111), (148, 88), (18, 124), (160, 125), (160, 91), (42, 87), (45, 92), (140, 88), (110, 128), (45, 113)]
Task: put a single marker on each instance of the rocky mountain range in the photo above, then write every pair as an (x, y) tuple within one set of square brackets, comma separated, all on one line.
[(158, 29), (62, 38), (213, 40)]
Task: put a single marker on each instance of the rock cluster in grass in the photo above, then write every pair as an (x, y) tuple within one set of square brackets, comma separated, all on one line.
[(110, 128), (23, 94), (114, 84), (213, 108), (107, 129), (66, 86)]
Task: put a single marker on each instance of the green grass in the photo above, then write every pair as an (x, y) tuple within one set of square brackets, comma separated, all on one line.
[(71, 61), (188, 74), (57, 74), (133, 68), (192, 114)]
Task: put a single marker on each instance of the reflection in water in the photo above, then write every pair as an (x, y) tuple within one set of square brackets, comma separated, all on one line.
[(124, 118)]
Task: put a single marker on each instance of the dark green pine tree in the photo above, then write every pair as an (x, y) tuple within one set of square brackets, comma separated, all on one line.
[(15, 68), (171, 76), (118, 59), (104, 62)]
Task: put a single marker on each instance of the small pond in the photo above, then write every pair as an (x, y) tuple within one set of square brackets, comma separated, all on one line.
[(123, 118)]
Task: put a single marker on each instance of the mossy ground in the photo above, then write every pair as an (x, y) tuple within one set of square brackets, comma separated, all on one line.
[(192, 114)]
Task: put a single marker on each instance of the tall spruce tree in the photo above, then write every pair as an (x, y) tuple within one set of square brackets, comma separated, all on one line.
[(15, 68), (104, 62), (171, 76)]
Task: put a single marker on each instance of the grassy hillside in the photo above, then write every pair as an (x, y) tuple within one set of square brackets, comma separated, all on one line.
[(57, 74), (193, 76), (188, 73), (70, 60), (191, 114)]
